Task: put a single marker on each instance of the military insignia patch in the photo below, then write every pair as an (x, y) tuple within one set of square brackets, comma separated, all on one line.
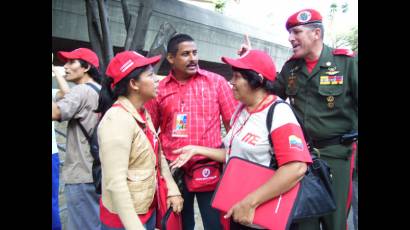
[(324, 80), (332, 72), (331, 80), (330, 99), (304, 16)]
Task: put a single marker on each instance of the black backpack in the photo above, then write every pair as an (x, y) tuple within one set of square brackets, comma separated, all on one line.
[(94, 150)]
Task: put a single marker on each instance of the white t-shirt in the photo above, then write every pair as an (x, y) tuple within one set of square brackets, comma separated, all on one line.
[(250, 137), (251, 141)]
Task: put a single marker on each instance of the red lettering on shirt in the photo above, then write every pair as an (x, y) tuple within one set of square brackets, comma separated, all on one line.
[(250, 138)]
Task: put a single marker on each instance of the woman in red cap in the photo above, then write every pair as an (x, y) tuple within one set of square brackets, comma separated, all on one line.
[(129, 146), (253, 76)]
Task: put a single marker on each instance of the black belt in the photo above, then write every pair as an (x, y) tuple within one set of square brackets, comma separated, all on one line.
[(326, 142), (345, 139)]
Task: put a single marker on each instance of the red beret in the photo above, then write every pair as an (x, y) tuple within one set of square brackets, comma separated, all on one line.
[(255, 60), (125, 62), (80, 53), (303, 17)]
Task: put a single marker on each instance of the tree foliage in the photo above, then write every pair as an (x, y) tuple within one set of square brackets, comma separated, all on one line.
[(99, 31), (136, 26), (349, 39), (219, 5)]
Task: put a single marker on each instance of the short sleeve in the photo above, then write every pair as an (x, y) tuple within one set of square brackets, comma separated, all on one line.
[(74, 103), (287, 137)]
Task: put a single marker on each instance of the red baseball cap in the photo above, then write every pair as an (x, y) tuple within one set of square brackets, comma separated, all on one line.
[(255, 60), (125, 62), (303, 17), (80, 53)]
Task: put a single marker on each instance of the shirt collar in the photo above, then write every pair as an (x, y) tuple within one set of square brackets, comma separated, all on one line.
[(326, 57), (131, 109)]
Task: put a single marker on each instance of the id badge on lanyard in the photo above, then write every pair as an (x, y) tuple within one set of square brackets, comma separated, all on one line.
[(180, 120), (180, 125)]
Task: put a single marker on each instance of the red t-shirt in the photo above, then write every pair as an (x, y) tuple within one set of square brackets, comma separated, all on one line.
[(113, 220), (311, 64)]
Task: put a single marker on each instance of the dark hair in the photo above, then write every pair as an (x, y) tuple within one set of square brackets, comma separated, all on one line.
[(93, 72), (173, 43), (108, 96), (254, 80)]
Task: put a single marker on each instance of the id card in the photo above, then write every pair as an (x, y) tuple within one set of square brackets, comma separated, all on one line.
[(180, 125)]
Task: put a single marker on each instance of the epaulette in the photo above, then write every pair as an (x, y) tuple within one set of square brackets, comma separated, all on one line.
[(345, 52)]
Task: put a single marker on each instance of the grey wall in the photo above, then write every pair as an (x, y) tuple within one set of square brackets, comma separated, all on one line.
[(215, 34)]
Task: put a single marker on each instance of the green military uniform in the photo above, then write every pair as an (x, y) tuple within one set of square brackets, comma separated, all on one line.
[(326, 101)]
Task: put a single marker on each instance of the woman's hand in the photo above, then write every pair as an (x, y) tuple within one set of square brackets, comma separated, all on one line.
[(242, 212), (176, 202), (185, 154)]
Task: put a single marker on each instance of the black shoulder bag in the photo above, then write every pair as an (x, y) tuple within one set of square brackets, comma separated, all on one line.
[(315, 197)]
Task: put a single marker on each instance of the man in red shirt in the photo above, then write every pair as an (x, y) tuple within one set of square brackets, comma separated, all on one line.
[(187, 111)]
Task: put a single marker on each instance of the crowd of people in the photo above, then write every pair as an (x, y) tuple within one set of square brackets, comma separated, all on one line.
[(149, 129)]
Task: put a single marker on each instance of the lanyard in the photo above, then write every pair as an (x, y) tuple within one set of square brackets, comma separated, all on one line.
[(243, 125), (182, 88)]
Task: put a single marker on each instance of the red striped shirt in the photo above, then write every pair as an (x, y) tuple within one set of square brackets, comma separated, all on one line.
[(204, 97)]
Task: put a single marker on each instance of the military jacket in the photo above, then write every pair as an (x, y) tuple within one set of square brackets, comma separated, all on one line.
[(325, 99)]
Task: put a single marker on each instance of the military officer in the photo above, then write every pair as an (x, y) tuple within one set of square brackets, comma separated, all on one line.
[(321, 84)]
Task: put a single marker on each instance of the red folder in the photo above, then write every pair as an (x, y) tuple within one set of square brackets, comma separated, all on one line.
[(240, 178)]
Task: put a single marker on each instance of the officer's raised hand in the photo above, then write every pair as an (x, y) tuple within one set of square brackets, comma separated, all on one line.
[(245, 46)]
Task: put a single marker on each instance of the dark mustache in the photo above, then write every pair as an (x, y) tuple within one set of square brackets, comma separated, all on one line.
[(192, 63)]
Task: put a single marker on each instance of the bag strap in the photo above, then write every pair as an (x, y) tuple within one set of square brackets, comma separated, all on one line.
[(94, 87), (84, 131), (78, 119), (269, 118)]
